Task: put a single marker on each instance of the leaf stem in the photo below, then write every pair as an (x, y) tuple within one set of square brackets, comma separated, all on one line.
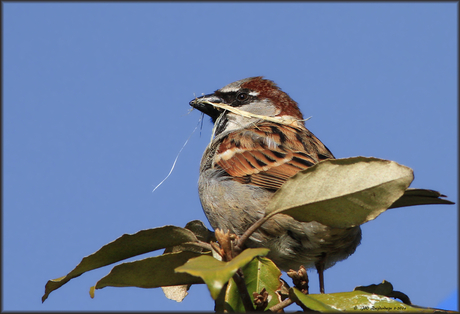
[(240, 245), (281, 305), (243, 291)]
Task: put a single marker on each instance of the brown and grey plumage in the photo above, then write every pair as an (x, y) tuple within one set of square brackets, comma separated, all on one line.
[(250, 158)]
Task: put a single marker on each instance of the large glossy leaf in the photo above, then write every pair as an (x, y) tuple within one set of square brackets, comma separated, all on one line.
[(354, 301), (152, 272), (179, 292), (386, 289), (306, 300), (383, 288), (342, 193), (217, 273), (201, 232), (126, 246), (260, 273)]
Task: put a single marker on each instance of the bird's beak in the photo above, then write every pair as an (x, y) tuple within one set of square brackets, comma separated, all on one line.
[(208, 109)]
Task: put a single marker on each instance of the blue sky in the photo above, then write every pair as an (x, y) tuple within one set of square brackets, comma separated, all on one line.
[(95, 110)]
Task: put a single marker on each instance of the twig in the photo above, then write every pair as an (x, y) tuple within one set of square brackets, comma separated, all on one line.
[(287, 120), (243, 291), (281, 305), (239, 246)]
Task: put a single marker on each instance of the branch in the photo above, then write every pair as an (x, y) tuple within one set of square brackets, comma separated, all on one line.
[(281, 305), (239, 246), (243, 291)]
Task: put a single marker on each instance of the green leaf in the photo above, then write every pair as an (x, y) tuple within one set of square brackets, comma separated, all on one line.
[(260, 273), (152, 272), (200, 231), (126, 246), (178, 293), (220, 304), (342, 193), (306, 300), (383, 288), (354, 301), (217, 273)]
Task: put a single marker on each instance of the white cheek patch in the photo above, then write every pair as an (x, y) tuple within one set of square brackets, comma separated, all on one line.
[(237, 122), (261, 107)]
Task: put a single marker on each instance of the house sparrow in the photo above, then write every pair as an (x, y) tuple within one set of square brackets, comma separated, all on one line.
[(249, 159)]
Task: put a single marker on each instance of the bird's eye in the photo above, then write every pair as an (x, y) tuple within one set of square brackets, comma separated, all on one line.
[(242, 96)]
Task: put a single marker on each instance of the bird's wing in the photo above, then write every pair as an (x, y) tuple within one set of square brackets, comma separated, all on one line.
[(268, 154)]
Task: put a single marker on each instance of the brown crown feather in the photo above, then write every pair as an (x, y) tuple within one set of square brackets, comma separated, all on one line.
[(269, 89)]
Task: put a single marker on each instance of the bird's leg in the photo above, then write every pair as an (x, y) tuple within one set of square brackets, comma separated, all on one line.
[(320, 265)]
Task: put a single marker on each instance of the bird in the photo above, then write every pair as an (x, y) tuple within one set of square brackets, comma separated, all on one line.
[(249, 159), (259, 142)]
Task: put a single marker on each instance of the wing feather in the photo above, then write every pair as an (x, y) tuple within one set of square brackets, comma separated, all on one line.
[(267, 155)]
